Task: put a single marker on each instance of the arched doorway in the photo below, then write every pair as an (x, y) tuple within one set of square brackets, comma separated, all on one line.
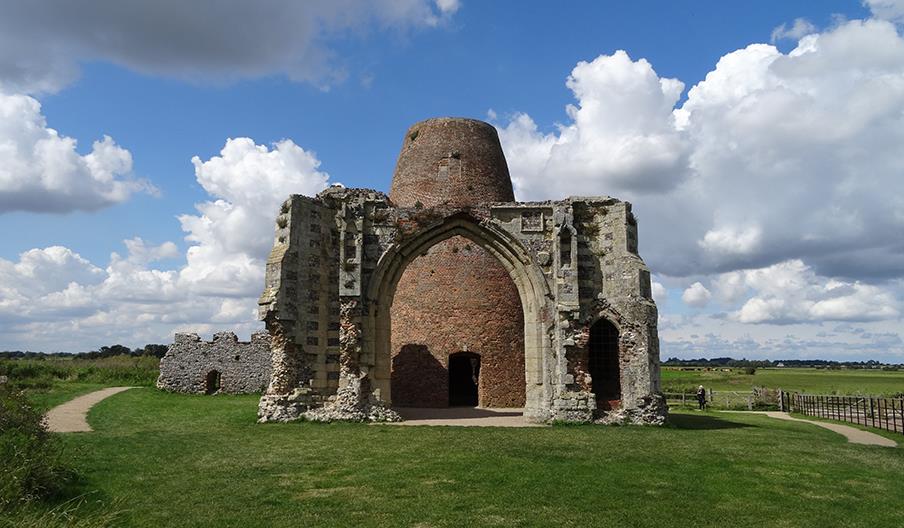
[(603, 364), (212, 384), (456, 297), (529, 281), (464, 379)]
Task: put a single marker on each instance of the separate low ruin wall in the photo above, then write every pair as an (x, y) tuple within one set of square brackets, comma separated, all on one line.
[(237, 366)]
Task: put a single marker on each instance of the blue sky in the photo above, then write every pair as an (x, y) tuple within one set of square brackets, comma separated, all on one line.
[(505, 56), (166, 94)]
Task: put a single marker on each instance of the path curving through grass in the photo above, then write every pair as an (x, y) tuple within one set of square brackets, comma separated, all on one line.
[(853, 435), (71, 417)]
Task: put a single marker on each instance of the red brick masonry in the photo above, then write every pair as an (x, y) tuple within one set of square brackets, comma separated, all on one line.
[(457, 297)]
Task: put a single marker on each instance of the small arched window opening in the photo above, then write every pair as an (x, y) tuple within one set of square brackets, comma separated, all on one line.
[(464, 377), (603, 363), (565, 249), (212, 385)]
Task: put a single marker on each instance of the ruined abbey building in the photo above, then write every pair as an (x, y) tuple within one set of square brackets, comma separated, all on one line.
[(223, 365), (448, 292)]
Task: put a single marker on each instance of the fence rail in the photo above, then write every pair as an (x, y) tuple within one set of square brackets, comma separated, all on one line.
[(720, 399), (881, 413)]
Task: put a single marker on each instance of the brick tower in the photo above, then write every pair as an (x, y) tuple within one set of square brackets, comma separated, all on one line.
[(456, 313)]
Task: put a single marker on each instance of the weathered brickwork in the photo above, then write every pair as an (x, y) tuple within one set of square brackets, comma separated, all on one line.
[(571, 263), (190, 364), (456, 298), (457, 162)]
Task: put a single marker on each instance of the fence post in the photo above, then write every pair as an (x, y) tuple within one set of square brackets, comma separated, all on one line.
[(872, 413), (894, 416), (883, 414)]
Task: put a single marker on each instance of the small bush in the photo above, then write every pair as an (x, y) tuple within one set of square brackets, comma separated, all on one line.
[(750, 371), (32, 467)]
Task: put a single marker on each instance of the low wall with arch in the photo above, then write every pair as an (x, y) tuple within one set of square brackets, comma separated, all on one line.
[(242, 366)]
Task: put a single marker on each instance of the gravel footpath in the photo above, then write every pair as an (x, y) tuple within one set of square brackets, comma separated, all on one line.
[(70, 416)]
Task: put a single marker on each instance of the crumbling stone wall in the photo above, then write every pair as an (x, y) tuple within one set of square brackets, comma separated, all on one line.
[(243, 367), (572, 262)]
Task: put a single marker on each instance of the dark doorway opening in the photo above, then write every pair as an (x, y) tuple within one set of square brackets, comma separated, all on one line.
[(603, 364), (213, 382), (464, 374)]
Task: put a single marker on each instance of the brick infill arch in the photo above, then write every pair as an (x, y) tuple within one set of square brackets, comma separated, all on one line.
[(527, 277)]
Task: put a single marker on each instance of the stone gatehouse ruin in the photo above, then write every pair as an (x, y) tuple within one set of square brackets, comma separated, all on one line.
[(448, 292), (224, 365)]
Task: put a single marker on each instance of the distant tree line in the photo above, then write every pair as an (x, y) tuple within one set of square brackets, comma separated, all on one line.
[(103, 352), (760, 363)]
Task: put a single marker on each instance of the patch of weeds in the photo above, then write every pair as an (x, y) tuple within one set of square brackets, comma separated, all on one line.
[(32, 463)]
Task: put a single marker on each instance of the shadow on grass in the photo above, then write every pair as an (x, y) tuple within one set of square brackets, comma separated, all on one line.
[(702, 421)]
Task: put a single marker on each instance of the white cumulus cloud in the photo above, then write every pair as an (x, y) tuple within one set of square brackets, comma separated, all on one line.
[(791, 292), (621, 135), (696, 295), (660, 293), (892, 10), (800, 28), (53, 298), (233, 232), (773, 156), (41, 170)]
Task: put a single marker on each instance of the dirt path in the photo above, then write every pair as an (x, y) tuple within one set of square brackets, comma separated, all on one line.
[(70, 416), (853, 435)]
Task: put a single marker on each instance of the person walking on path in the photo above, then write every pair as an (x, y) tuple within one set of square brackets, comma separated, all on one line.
[(701, 397)]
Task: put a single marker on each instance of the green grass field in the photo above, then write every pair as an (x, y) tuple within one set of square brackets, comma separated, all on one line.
[(174, 460), (52, 381), (809, 380)]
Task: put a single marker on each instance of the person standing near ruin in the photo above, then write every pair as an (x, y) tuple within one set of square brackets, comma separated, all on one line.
[(701, 397)]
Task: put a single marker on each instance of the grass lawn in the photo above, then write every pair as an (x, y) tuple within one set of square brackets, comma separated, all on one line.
[(47, 398), (52, 381), (809, 380), (177, 460)]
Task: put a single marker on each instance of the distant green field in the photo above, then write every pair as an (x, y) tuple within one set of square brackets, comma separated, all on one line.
[(809, 380), (49, 382)]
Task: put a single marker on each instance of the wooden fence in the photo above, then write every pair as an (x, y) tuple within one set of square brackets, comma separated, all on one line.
[(737, 400), (882, 413)]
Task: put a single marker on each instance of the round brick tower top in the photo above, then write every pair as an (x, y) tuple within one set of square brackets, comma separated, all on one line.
[(451, 160)]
